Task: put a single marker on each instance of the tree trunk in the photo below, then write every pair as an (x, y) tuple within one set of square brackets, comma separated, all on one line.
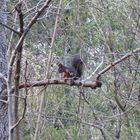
[(3, 70)]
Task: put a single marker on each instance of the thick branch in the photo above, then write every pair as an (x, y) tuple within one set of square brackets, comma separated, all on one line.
[(92, 85), (16, 119)]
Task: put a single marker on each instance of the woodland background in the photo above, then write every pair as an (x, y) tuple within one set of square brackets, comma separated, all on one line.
[(35, 35)]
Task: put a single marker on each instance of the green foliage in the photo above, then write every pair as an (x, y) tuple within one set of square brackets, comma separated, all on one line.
[(55, 134)]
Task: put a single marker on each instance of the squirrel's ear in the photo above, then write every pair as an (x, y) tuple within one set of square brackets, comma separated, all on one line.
[(60, 65)]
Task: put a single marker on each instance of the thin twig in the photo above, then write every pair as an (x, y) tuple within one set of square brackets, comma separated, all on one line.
[(10, 28)]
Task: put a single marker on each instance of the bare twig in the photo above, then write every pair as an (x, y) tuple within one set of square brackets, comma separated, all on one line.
[(10, 28)]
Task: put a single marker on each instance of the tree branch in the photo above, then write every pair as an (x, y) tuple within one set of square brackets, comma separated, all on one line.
[(116, 62), (8, 27), (92, 85), (31, 23)]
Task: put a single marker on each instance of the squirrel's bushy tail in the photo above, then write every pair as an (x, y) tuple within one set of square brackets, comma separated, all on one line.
[(78, 64)]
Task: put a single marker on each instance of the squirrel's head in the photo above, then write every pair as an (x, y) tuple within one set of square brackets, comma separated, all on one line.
[(61, 68)]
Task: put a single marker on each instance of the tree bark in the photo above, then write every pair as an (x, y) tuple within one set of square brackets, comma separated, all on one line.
[(3, 70)]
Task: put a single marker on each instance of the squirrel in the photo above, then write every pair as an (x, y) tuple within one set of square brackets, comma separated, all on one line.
[(75, 71)]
